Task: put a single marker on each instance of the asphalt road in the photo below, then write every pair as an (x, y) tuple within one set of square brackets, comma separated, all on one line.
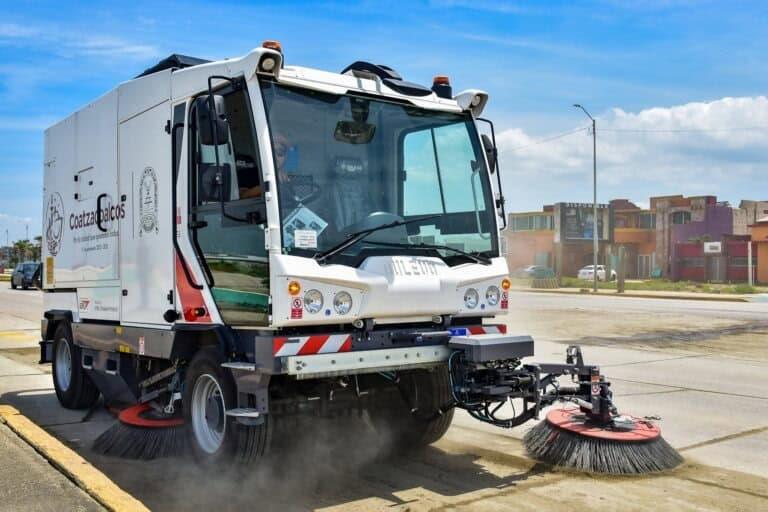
[(701, 366)]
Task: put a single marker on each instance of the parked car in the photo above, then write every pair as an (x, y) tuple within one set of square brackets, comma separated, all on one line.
[(528, 272), (25, 274), (588, 273)]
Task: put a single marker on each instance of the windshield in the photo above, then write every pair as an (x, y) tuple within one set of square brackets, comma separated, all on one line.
[(349, 163)]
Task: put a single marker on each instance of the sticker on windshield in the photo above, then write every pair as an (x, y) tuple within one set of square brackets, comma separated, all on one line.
[(302, 220), (305, 239)]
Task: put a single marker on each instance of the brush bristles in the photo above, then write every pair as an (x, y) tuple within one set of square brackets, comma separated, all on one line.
[(129, 442), (562, 448)]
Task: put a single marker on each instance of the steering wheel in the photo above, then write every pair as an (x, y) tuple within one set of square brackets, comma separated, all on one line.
[(312, 193)]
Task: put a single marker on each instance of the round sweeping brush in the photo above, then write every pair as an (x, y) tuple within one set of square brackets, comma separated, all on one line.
[(626, 446), (143, 433)]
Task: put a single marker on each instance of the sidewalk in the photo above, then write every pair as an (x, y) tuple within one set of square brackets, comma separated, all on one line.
[(29, 482), (643, 294)]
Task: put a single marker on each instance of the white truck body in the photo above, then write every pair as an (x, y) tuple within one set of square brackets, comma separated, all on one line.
[(115, 154)]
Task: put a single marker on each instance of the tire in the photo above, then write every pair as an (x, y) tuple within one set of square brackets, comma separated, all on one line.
[(13, 286), (24, 286), (73, 386), (214, 438), (426, 390)]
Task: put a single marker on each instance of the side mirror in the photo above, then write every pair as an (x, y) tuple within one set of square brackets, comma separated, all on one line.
[(212, 124), (490, 152)]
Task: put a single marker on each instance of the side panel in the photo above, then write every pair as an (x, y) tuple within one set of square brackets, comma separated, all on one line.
[(80, 179), (146, 246)]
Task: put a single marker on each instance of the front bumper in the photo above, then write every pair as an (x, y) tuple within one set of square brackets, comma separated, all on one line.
[(319, 356)]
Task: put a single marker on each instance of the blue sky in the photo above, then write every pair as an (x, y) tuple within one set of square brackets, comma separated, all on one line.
[(636, 65)]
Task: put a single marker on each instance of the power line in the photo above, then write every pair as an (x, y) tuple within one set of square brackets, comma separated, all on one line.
[(549, 139), (684, 130)]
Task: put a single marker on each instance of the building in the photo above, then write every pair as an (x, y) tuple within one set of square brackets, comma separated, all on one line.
[(635, 230), (665, 240), (760, 247), (559, 237), (747, 214), (530, 239)]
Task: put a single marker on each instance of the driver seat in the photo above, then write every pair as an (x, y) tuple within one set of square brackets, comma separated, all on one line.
[(349, 197)]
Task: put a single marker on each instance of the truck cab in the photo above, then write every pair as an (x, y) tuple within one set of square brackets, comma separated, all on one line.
[(238, 239)]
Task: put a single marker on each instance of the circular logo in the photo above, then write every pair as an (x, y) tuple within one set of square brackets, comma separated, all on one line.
[(148, 201), (54, 223), (297, 303)]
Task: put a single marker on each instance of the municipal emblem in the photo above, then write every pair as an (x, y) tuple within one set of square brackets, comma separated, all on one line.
[(54, 223), (148, 202)]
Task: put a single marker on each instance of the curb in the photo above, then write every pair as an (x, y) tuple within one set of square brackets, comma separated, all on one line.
[(76, 468), (641, 295)]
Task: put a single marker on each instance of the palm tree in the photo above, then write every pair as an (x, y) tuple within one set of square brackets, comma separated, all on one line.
[(21, 249)]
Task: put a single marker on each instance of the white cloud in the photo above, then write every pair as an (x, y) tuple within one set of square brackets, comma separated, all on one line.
[(697, 147), (7, 219), (31, 124), (72, 43)]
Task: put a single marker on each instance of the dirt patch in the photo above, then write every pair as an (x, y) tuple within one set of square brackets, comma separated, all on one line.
[(741, 341), (29, 356)]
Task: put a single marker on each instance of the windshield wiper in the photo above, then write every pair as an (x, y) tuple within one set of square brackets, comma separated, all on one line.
[(474, 256), (353, 238)]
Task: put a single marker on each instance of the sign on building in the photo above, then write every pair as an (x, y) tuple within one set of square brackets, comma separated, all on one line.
[(713, 247)]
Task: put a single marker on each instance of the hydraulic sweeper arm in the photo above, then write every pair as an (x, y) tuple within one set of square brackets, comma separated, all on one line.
[(482, 387), (591, 437)]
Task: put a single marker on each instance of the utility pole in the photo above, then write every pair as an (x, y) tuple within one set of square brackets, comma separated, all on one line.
[(27, 232), (595, 246)]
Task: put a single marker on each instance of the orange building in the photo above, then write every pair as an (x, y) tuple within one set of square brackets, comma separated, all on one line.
[(530, 239), (635, 230), (760, 244)]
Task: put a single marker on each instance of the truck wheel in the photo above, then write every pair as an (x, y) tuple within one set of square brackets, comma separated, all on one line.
[(209, 391), (425, 390), (13, 286), (73, 386)]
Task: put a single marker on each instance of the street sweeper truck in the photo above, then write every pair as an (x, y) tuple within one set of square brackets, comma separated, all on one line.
[(228, 245)]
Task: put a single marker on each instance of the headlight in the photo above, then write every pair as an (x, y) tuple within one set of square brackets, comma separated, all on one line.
[(342, 303), (471, 298), (492, 295), (313, 301)]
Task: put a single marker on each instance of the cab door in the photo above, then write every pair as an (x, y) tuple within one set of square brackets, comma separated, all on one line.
[(146, 244)]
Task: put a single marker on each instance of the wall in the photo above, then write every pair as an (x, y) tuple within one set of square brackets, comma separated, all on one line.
[(717, 220), (523, 246), (760, 241)]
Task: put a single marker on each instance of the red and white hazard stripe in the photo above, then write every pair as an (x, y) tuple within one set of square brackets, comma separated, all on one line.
[(308, 345), (488, 329)]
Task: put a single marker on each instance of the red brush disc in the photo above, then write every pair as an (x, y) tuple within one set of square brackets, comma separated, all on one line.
[(631, 431), (142, 415)]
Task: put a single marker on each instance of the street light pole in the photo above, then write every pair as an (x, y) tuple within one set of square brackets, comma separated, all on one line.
[(595, 246)]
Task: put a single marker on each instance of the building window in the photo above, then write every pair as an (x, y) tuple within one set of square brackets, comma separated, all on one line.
[(647, 221), (691, 262), (533, 223), (681, 217)]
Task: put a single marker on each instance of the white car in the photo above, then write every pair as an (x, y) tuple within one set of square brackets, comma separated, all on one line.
[(587, 273)]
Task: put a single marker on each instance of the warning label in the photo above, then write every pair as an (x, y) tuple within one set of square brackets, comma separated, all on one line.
[(504, 300), (297, 309)]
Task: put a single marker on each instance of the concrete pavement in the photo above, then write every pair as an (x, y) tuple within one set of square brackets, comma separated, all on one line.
[(30, 483), (699, 365)]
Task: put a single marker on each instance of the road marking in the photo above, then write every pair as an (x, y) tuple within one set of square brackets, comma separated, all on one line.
[(76, 468)]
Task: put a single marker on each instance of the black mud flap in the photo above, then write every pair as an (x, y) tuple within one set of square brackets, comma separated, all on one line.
[(46, 351)]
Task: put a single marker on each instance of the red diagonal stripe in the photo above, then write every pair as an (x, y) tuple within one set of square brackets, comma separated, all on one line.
[(347, 345), (277, 344), (313, 345), (476, 330), (502, 328)]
